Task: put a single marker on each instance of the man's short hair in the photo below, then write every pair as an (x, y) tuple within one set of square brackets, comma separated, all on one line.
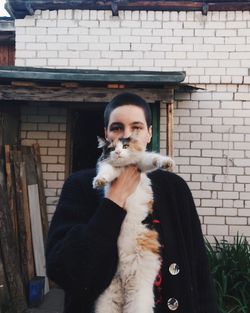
[(125, 99)]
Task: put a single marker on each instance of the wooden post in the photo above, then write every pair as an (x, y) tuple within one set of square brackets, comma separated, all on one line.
[(37, 234), (20, 218), (35, 214), (44, 216), (1, 132), (27, 223), (11, 187), (170, 128), (9, 253)]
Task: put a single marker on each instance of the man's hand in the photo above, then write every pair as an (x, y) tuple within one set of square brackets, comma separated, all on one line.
[(123, 186)]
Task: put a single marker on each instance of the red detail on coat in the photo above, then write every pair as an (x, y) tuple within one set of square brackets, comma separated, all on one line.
[(156, 221), (158, 300), (158, 280)]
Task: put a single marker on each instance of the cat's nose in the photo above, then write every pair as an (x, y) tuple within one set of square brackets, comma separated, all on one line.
[(118, 152)]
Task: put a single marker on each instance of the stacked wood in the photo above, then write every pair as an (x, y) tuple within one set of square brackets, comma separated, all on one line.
[(23, 221)]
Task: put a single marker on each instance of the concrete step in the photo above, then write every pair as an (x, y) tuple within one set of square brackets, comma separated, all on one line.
[(52, 303)]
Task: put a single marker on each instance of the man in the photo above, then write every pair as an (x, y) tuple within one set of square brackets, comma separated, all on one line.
[(82, 252)]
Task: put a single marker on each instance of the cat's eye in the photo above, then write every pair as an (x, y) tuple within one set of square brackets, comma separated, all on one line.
[(125, 146)]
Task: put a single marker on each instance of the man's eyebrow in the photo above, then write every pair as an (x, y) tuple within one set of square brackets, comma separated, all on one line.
[(121, 124), (116, 124), (141, 123)]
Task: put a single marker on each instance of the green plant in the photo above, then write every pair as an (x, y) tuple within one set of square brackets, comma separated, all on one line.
[(230, 267)]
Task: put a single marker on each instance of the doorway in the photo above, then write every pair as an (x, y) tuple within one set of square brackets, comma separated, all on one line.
[(87, 124)]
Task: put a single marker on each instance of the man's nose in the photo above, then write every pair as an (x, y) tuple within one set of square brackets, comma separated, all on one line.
[(126, 133)]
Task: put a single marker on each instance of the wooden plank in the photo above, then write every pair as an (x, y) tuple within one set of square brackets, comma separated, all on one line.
[(170, 128), (29, 164), (44, 215), (35, 213), (9, 253), (23, 84), (1, 132), (37, 233), (83, 94), (70, 85), (27, 223), (10, 181), (4, 295), (20, 216)]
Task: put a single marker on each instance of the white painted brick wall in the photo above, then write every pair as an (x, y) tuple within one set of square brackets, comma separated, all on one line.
[(211, 132), (211, 49), (45, 125), (223, 145)]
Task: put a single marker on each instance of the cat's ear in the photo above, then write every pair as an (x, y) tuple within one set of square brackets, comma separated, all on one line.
[(101, 142)]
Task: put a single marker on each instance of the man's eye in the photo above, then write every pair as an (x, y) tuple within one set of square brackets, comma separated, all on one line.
[(115, 128), (137, 127)]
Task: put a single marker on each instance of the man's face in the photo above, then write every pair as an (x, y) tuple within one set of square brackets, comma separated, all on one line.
[(127, 119)]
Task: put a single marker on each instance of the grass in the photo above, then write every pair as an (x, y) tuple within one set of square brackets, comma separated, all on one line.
[(230, 267)]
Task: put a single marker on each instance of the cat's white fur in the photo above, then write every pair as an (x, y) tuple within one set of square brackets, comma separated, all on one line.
[(131, 290)]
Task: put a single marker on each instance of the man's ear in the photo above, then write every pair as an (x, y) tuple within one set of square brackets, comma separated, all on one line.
[(105, 133), (149, 133)]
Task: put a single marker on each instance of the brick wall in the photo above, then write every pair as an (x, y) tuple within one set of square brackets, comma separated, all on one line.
[(211, 135), (212, 152), (46, 125), (211, 49)]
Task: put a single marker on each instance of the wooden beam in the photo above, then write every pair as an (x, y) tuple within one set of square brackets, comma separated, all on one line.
[(35, 213), (10, 184), (37, 233), (170, 128), (22, 235), (27, 223), (9, 253), (44, 216), (83, 94), (70, 85), (23, 84)]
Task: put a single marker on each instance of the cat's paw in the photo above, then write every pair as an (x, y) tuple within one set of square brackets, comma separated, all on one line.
[(99, 182), (166, 163)]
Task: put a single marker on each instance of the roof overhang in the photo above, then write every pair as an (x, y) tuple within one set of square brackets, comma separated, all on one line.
[(59, 85), (21, 8), (90, 77)]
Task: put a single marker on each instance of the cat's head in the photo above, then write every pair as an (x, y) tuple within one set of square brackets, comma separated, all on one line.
[(120, 152)]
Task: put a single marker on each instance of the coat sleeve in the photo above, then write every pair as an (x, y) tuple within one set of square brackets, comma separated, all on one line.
[(81, 252), (204, 287)]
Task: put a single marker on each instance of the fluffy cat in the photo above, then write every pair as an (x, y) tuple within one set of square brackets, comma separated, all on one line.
[(131, 290)]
